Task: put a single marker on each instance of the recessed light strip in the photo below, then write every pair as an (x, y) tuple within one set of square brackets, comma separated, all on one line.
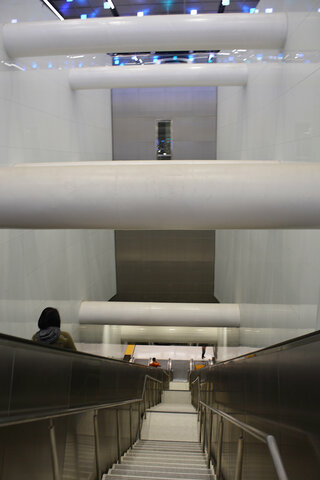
[(53, 9)]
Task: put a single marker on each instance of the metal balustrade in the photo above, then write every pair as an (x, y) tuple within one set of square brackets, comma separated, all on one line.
[(205, 436)]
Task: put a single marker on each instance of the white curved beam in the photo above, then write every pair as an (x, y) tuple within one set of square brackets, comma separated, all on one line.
[(172, 75), (149, 33), (156, 314), (161, 195)]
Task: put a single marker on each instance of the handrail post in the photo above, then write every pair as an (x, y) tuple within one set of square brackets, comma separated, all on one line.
[(219, 452), (118, 436), (209, 439), (200, 423), (204, 429), (238, 473), (130, 420), (54, 453), (139, 420), (96, 442), (145, 402)]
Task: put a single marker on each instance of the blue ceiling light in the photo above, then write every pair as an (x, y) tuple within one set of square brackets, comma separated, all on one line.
[(83, 16), (175, 57), (116, 61), (34, 65), (225, 3), (95, 13), (69, 1), (191, 58), (65, 7), (49, 65), (252, 10), (193, 11), (155, 59), (245, 9), (140, 14)]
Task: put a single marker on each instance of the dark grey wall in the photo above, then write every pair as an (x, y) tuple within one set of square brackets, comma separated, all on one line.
[(277, 391), (38, 380), (164, 266), (193, 111)]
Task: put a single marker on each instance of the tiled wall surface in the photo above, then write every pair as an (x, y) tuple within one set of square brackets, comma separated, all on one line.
[(276, 117), (191, 110), (42, 120)]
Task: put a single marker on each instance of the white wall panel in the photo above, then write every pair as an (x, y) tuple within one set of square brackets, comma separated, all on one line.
[(275, 118), (42, 120)]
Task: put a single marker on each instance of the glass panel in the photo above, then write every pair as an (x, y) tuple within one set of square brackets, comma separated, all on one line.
[(164, 140)]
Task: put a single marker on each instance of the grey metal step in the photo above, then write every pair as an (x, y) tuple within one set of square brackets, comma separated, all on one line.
[(166, 442), (166, 448), (163, 451), (174, 461), (163, 468), (113, 476), (165, 454), (156, 474)]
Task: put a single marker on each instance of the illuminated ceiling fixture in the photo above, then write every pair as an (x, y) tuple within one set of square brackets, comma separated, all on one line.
[(140, 14), (46, 2), (193, 12), (225, 3)]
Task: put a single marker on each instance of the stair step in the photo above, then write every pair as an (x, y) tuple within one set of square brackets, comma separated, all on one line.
[(166, 448), (155, 474), (175, 461), (163, 451), (166, 442), (162, 468), (112, 476), (132, 453)]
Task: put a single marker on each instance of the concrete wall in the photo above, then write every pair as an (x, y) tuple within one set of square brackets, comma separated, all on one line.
[(276, 117), (41, 120), (193, 127)]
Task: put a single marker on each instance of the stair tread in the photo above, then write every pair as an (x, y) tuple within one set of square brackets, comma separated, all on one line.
[(177, 464), (155, 474), (161, 468), (113, 476), (178, 460)]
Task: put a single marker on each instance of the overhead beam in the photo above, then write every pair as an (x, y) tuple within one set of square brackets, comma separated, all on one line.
[(161, 195), (156, 314), (148, 33), (171, 75)]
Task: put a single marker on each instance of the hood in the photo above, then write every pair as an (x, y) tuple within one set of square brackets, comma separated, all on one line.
[(48, 335)]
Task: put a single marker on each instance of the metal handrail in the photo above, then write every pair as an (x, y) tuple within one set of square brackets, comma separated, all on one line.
[(95, 408), (269, 440)]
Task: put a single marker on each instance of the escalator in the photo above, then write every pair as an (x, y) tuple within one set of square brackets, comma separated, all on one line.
[(73, 416)]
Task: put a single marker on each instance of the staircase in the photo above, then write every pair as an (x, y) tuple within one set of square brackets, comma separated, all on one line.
[(161, 460), (161, 454)]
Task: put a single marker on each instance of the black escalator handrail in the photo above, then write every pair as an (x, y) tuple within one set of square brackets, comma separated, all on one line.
[(19, 419), (264, 437)]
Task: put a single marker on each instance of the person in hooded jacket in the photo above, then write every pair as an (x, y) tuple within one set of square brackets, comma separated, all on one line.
[(49, 330)]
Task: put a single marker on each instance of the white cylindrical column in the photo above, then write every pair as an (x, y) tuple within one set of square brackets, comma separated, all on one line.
[(147, 313), (171, 75), (161, 195), (149, 33)]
